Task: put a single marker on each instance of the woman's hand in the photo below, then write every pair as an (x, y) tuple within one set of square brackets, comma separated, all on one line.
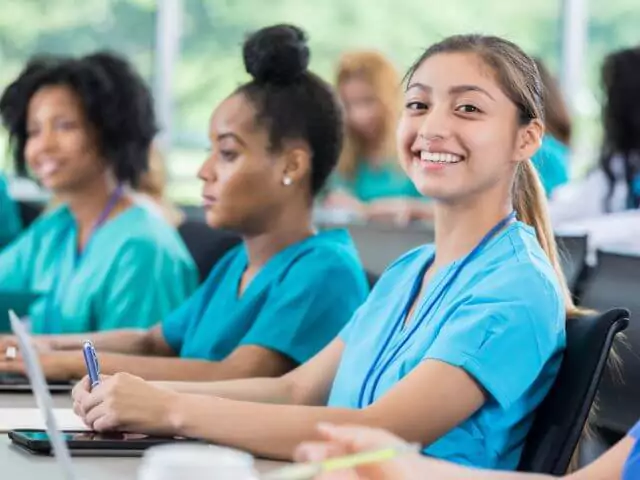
[(57, 366), (40, 343), (125, 402), (340, 199), (347, 440)]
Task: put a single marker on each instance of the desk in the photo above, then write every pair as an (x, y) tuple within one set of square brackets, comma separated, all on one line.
[(16, 464), (26, 400)]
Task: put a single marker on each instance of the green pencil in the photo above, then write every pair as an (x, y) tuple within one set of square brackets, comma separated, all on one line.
[(305, 471)]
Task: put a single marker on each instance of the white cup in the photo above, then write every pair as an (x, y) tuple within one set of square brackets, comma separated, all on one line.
[(196, 462)]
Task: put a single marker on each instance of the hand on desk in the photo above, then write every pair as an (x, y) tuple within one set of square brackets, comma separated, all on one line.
[(347, 440), (57, 366), (40, 343), (125, 402)]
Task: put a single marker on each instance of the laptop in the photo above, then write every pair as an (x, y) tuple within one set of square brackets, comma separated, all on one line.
[(63, 444), (43, 397)]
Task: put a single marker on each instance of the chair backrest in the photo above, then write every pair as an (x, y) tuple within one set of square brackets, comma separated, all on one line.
[(380, 244), (615, 282), (29, 211), (561, 417), (573, 256), (206, 245)]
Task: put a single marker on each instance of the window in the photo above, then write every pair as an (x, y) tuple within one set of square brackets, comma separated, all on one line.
[(69, 27), (210, 63)]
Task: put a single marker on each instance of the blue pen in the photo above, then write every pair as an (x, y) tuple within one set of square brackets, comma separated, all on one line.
[(91, 360)]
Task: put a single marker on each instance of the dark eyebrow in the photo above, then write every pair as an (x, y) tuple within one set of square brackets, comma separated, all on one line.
[(231, 135), (419, 86), (470, 88), (453, 90)]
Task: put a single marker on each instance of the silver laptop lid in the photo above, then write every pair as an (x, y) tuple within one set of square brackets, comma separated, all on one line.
[(43, 396)]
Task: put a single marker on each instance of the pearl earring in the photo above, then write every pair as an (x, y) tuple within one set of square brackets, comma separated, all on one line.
[(286, 181)]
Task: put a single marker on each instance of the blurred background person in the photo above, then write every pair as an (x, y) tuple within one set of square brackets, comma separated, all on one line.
[(552, 159), (84, 127), (605, 204), (369, 181), (152, 186)]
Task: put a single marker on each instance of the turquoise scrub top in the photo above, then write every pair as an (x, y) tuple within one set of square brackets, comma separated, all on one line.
[(552, 162), (10, 223), (373, 183), (502, 320), (295, 305), (133, 272), (632, 466)]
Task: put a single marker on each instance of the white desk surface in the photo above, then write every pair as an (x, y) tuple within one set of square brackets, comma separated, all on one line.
[(16, 464)]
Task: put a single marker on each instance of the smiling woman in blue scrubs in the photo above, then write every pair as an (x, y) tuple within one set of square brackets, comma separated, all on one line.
[(276, 300), (9, 216), (459, 341), (99, 261)]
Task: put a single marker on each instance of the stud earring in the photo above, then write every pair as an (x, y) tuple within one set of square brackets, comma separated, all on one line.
[(286, 181)]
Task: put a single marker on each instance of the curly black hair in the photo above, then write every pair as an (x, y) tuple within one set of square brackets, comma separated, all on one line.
[(621, 119), (116, 101), (292, 102)]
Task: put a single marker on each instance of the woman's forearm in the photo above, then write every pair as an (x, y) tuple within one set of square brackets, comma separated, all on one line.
[(130, 341), (264, 390), (271, 431), (176, 370)]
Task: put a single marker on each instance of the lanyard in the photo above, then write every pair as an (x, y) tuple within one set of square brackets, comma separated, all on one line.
[(57, 294), (375, 380)]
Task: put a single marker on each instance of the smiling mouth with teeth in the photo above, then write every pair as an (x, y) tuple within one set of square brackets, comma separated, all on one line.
[(436, 157)]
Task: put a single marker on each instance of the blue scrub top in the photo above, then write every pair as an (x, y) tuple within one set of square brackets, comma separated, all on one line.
[(631, 469), (502, 320), (133, 272), (295, 305), (10, 222), (552, 163)]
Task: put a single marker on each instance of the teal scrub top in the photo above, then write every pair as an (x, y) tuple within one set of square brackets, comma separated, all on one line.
[(133, 272), (502, 320), (552, 162), (296, 304), (10, 223), (382, 181), (632, 466)]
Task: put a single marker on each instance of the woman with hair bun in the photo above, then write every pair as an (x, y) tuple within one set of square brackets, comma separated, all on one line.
[(277, 299)]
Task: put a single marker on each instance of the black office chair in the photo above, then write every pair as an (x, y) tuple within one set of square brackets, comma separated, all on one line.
[(29, 211), (372, 278), (615, 282), (561, 417), (206, 245), (573, 255)]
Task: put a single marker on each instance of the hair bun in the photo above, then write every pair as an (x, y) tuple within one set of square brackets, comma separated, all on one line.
[(277, 54)]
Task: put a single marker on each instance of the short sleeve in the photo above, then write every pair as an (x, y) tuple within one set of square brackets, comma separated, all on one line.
[(142, 288), (309, 306), (501, 329), (635, 431), (176, 325)]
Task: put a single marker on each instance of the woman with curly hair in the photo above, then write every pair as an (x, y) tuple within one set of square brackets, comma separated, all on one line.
[(83, 127)]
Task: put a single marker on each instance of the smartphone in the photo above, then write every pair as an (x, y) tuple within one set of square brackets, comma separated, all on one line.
[(91, 443)]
